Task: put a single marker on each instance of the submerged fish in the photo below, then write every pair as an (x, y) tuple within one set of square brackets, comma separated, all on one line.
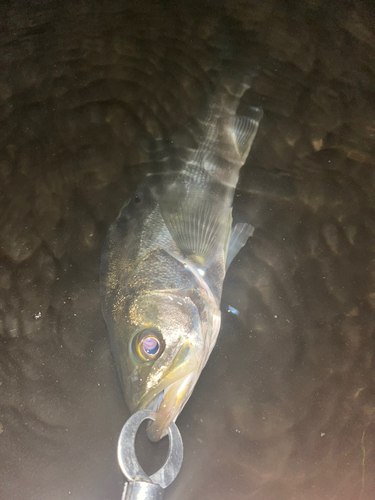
[(165, 258)]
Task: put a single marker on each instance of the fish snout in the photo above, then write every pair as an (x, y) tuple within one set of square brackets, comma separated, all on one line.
[(178, 383)]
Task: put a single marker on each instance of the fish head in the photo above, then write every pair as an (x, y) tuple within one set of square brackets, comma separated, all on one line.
[(166, 348)]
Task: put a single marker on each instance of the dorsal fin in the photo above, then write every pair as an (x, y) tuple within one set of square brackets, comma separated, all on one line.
[(245, 129)]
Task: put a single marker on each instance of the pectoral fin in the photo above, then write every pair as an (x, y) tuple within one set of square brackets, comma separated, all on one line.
[(238, 238), (196, 223), (245, 129)]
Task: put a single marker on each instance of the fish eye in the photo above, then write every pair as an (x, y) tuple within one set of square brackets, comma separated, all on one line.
[(149, 344)]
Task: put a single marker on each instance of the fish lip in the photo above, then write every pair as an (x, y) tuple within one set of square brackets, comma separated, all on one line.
[(169, 407), (174, 389)]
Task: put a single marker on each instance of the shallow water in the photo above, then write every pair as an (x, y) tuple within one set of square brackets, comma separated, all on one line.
[(285, 408)]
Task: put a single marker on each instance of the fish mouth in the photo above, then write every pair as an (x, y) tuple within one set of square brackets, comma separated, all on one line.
[(169, 397)]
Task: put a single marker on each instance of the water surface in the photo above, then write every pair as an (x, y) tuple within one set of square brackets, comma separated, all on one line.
[(285, 408)]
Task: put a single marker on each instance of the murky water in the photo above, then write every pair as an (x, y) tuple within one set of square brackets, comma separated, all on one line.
[(285, 408)]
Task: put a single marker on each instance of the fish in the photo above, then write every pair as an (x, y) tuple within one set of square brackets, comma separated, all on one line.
[(165, 257)]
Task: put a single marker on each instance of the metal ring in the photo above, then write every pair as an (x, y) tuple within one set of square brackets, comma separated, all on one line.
[(127, 458)]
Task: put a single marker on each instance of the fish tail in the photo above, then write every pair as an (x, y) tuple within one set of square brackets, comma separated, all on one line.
[(230, 88), (237, 86)]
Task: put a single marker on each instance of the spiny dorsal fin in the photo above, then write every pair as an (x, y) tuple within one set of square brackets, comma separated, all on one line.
[(245, 129)]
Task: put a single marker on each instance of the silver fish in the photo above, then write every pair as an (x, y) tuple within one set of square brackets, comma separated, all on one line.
[(165, 257)]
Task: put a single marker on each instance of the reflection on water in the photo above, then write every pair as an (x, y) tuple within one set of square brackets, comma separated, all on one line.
[(285, 406)]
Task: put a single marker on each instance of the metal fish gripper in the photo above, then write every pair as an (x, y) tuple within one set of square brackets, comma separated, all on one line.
[(140, 486)]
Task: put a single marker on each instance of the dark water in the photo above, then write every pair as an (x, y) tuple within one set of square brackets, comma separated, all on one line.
[(285, 408)]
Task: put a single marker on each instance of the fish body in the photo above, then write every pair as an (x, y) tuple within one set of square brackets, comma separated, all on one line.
[(165, 257)]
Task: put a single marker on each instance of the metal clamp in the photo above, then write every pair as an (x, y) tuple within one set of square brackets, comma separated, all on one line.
[(140, 485)]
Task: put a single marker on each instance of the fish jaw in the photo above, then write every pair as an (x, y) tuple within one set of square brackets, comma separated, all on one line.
[(169, 396), (170, 406)]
